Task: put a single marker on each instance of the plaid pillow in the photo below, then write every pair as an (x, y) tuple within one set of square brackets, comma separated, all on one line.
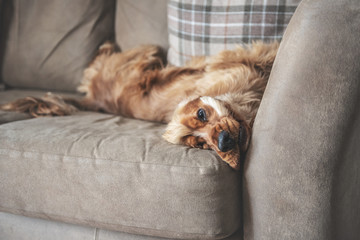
[(205, 27)]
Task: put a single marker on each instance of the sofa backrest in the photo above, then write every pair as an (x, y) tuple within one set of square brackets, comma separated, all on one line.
[(50, 42), (1, 41), (198, 28), (141, 22)]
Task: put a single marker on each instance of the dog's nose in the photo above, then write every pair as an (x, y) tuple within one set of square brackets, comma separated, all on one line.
[(225, 142)]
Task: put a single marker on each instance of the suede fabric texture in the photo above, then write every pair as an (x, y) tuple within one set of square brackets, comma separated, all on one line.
[(50, 43), (11, 95), (144, 22), (302, 173), (15, 227), (115, 173), (2, 40)]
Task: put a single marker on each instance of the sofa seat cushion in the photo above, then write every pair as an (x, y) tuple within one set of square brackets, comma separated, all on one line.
[(11, 95), (116, 173)]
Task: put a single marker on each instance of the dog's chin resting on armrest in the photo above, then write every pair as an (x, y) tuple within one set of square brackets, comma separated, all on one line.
[(209, 103)]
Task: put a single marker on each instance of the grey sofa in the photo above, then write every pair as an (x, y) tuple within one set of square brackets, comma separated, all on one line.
[(98, 176)]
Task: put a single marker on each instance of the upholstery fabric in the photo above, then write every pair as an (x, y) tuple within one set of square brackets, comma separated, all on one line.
[(302, 174), (141, 22), (11, 95), (15, 227), (115, 173), (51, 42), (202, 28), (2, 40)]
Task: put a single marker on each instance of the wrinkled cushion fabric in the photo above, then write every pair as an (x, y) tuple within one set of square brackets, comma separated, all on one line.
[(202, 28), (116, 173), (50, 43)]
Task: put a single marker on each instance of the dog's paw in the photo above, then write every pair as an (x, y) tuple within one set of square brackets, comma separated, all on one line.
[(49, 105), (195, 142)]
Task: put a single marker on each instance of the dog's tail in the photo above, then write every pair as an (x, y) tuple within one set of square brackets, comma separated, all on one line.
[(263, 56), (49, 105)]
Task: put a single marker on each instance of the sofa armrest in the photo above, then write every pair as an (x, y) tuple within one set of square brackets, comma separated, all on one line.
[(302, 171)]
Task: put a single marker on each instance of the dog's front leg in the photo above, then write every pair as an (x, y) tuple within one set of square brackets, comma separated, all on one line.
[(195, 142)]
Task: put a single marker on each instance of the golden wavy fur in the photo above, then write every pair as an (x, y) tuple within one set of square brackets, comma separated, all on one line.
[(210, 103)]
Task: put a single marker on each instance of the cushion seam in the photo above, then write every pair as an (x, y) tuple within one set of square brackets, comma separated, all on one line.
[(105, 223), (105, 159)]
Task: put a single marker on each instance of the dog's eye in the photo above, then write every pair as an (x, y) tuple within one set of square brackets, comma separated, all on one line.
[(201, 115)]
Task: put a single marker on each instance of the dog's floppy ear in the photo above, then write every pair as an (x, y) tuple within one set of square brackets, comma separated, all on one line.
[(244, 136), (244, 130), (175, 131)]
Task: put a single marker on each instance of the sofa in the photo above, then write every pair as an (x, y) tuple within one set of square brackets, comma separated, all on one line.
[(98, 176)]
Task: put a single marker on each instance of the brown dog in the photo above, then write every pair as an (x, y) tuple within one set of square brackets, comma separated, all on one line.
[(210, 103)]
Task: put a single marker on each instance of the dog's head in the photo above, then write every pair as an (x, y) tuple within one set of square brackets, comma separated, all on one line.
[(213, 121)]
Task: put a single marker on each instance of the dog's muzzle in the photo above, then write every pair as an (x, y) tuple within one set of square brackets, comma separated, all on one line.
[(225, 141)]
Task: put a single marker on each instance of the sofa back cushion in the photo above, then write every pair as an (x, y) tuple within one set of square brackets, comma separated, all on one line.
[(49, 43), (141, 22), (1, 41), (202, 28)]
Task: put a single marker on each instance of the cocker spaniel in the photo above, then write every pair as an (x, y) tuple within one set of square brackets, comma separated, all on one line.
[(209, 103)]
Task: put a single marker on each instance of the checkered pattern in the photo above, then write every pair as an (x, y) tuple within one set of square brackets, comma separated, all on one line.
[(205, 27)]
